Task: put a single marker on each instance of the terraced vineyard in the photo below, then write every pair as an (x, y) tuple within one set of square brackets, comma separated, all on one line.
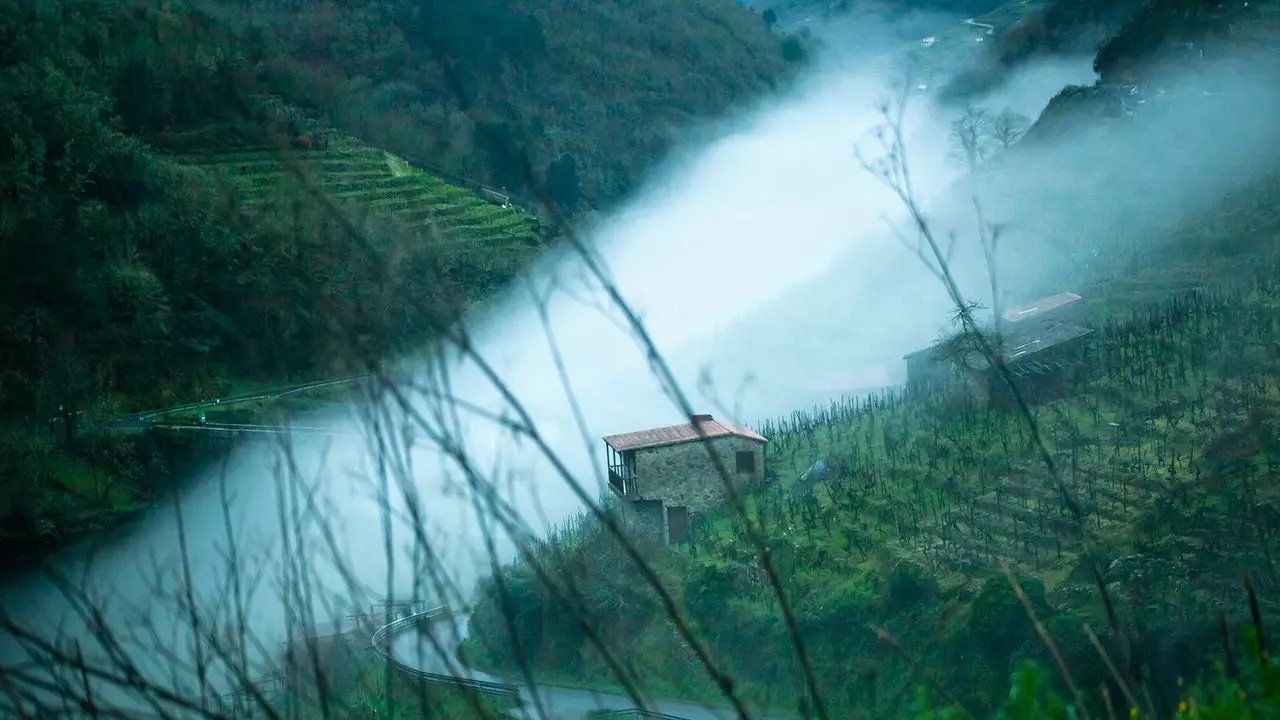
[(1169, 439), (370, 180)]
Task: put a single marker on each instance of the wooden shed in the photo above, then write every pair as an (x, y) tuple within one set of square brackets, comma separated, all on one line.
[(1042, 355)]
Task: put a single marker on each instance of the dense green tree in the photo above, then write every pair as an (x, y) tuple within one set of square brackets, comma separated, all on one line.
[(562, 183)]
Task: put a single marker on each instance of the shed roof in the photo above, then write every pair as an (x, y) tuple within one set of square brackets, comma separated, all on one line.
[(1029, 311), (1040, 337), (707, 427), (1022, 340), (1040, 307)]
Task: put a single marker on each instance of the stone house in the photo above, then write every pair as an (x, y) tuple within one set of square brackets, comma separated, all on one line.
[(667, 475)]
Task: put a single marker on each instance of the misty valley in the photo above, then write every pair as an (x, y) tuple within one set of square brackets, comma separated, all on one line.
[(677, 359)]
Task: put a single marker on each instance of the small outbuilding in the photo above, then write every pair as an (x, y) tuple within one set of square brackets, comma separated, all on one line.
[(1041, 354), (1042, 343), (667, 475), (1042, 357)]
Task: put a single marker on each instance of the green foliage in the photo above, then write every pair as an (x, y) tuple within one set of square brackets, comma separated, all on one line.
[(1031, 697), (1162, 436), (604, 83), (998, 623), (380, 693), (1251, 690), (562, 183), (909, 584), (793, 50), (130, 279), (1159, 27)]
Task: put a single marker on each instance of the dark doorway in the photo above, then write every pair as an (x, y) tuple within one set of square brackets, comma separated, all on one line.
[(677, 524)]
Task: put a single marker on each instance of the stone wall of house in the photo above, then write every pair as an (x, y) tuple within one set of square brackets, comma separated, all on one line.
[(685, 474), (648, 521)]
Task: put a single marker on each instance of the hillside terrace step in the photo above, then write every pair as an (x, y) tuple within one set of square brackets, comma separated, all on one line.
[(960, 559), (514, 238), (410, 192), (243, 167), (1053, 522), (473, 225), (333, 178), (429, 212), (279, 156), (1024, 548), (1001, 527), (1042, 489), (408, 201), (489, 211), (474, 238), (523, 241), (334, 167), (472, 220), (1015, 557), (338, 189), (227, 158), (453, 192)]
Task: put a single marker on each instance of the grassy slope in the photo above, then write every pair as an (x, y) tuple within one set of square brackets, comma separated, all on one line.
[(1167, 442), (369, 180)]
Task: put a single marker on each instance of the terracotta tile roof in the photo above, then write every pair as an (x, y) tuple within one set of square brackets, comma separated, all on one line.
[(676, 434), (1043, 305)]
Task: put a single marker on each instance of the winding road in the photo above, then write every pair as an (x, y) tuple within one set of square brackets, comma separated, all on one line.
[(413, 648), (416, 650)]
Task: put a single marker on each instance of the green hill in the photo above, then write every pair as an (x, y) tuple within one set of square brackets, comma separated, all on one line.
[(1166, 442), (603, 89), (164, 236), (1162, 451)]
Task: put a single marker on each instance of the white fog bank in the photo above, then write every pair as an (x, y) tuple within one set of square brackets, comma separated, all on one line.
[(710, 240)]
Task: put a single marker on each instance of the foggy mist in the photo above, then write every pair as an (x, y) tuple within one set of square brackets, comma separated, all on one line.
[(766, 258)]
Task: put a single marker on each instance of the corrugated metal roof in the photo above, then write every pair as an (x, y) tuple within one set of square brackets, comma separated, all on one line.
[(676, 434), (1041, 306), (1038, 337), (1029, 311), (1020, 341)]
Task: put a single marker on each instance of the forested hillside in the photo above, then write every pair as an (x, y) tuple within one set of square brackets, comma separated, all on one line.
[(1182, 33), (593, 92), (175, 223)]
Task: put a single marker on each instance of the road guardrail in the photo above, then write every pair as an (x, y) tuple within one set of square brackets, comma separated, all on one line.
[(481, 686)]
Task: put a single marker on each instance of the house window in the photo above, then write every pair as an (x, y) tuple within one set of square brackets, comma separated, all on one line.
[(746, 461)]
